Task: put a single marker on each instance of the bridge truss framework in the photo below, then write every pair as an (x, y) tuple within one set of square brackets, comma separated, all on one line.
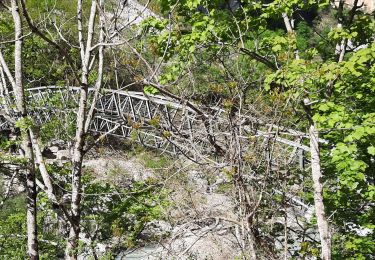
[(169, 125)]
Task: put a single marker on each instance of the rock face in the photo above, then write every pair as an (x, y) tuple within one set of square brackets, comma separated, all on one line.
[(206, 239), (57, 150), (133, 13), (63, 155), (368, 5), (118, 170), (211, 242)]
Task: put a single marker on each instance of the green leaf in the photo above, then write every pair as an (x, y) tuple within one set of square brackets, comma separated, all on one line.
[(192, 49), (150, 90), (324, 107), (371, 150)]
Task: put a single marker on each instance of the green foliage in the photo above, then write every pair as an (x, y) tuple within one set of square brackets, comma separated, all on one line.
[(119, 211), (344, 112), (150, 90), (123, 211), (153, 161), (12, 235), (14, 205), (13, 239), (62, 119), (48, 5), (24, 123), (5, 143), (342, 93), (6, 26), (36, 57)]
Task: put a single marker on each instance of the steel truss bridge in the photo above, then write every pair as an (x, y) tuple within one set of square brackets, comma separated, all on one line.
[(172, 126)]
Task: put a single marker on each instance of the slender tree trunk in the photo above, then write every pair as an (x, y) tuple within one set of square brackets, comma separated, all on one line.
[(71, 249), (98, 83), (289, 26), (32, 240), (288, 23), (324, 232), (323, 227)]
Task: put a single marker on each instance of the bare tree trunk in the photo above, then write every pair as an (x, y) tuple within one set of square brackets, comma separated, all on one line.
[(288, 23), (71, 249), (98, 83), (32, 240), (324, 232), (323, 227)]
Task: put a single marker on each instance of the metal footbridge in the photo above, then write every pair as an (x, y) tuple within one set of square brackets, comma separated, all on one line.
[(171, 125)]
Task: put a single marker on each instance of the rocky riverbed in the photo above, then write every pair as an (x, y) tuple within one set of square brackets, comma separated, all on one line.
[(198, 228)]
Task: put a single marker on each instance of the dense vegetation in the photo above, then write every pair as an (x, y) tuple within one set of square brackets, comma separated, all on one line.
[(302, 65)]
